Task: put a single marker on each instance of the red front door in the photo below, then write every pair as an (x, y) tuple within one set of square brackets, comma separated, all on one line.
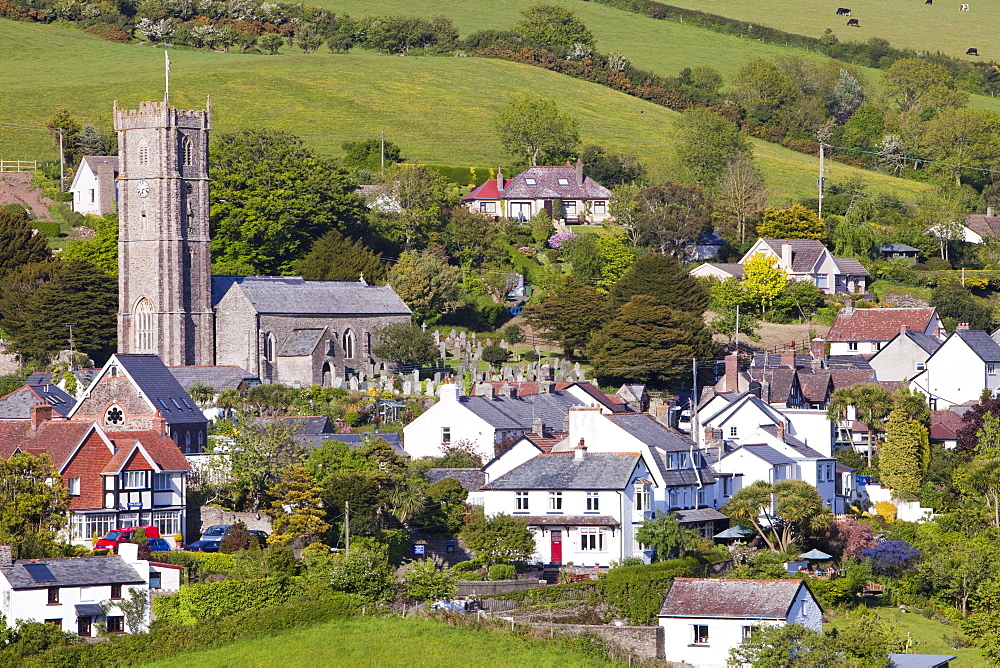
[(556, 554)]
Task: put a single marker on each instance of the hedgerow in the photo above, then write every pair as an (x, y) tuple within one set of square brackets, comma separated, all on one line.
[(197, 602)]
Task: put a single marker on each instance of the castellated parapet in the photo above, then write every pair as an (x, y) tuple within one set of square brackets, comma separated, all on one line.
[(198, 119)]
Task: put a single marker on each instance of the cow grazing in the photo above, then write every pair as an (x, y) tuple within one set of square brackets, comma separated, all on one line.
[(972, 52), (928, 2), (853, 22), (843, 11), (963, 8)]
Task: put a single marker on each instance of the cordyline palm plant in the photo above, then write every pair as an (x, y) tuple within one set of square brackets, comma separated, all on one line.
[(793, 509), (871, 403)]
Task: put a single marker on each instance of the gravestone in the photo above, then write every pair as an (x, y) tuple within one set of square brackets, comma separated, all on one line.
[(430, 388), (354, 383)]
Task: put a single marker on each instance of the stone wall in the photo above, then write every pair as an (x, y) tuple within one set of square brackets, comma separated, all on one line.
[(644, 643), (205, 516)]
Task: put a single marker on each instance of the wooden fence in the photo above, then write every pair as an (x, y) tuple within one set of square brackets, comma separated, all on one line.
[(18, 165), (477, 588)]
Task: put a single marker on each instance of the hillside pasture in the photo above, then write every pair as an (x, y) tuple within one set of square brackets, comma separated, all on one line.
[(438, 109)]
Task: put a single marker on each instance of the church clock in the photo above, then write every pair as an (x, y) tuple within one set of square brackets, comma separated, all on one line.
[(142, 189)]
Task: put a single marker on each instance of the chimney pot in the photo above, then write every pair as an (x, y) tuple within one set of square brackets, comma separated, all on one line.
[(786, 255), (545, 386), (990, 211), (962, 325), (40, 412), (788, 357), (499, 180), (580, 450), (6, 556), (903, 329), (781, 432)]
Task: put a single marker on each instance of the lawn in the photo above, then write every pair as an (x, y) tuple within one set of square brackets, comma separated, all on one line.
[(368, 641), (437, 108), (929, 636)]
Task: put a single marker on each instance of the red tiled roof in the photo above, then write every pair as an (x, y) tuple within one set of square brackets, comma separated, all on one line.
[(945, 425), (57, 438), (983, 225), (161, 448), (487, 191), (546, 444), (878, 324), (848, 377)]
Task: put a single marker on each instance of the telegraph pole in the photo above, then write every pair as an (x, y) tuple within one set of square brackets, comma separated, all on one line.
[(822, 179), (347, 525), (72, 353), (382, 151), (62, 163)]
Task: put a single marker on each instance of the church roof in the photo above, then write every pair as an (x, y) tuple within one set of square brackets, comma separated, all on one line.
[(301, 342), (160, 388), (225, 377), (295, 295)]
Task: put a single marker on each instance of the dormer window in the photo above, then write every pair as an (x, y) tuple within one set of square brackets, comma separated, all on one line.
[(531, 182), (564, 182)]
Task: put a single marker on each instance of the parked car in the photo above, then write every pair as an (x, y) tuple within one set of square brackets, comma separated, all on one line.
[(158, 545), (203, 546), (124, 535), (215, 532)]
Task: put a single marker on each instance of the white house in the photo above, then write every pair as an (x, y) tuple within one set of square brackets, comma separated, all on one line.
[(563, 191), (582, 507), (68, 591), (703, 619), (803, 260), (864, 331), (904, 356), (967, 363), (734, 417), (95, 186), (979, 227)]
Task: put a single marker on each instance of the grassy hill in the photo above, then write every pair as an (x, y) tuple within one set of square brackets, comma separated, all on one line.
[(391, 642), (437, 108)]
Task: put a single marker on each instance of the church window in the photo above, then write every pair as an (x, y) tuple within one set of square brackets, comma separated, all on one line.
[(143, 322), (143, 153), (186, 151), (349, 344), (368, 343), (114, 416), (269, 347)]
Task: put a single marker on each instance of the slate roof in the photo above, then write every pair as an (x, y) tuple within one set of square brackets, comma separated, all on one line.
[(352, 440), (95, 161), (161, 389), (980, 343), (520, 412), (848, 265), (228, 377), (735, 599), (815, 386), (898, 248), (920, 660), (301, 342), (73, 572), (805, 252), (651, 432), (562, 470), (471, 479), (848, 377), (308, 424), (699, 515), (17, 405), (983, 225), (56, 437), (927, 343), (297, 296), (780, 379), (804, 361), (945, 425), (768, 454), (547, 185), (732, 268), (878, 324)]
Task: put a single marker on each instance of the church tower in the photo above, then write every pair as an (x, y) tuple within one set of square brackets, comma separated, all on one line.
[(164, 248)]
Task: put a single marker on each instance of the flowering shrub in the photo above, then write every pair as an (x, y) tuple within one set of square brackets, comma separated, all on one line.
[(527, 251), (557, 240), (892, 557)]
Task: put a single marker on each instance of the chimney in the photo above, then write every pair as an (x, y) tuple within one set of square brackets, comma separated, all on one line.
[(580, 450), (40, 412), (160, 424), (545, 386), (903, 329), (579, 172), (788, 357), (508, 391), (961, 325), (537, 428), (732, 372), (448, 391), (129, 552), (786, 255), (848, 306), (817, 348), (6, 556), (485, 390), (499, 180), (990, 211), (709, 434), (716, 434), (781, 432)]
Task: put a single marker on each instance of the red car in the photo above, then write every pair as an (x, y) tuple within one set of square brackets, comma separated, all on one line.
[(117, 536)]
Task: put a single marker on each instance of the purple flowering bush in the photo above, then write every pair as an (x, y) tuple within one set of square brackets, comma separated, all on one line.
[(527, 251), (892, 557), (558, 239)]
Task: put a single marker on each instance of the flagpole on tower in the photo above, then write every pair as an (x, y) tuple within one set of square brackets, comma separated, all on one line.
[(166, 92)]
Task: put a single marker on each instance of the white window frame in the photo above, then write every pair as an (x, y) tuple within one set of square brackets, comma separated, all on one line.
[(991, 368), (562, 182), (445, 435), (555, 502), (487, 207), (145, 325), (530, 181), (600, 208), (643, 501), (161, 481), (167, 521), (135, 479), (699, 634), (591, 540), (852, 346), (593, 502), (521, 502), (73, 485)]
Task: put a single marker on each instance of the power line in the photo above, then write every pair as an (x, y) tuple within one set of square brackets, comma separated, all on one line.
[(904, 157)]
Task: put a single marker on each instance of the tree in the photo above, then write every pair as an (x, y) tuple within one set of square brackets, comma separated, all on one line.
[(426, 283), (409, 203), (971, 434), (585, 258), (400, 34), (474, 239), (903, 451), (915, 84), (297, 509), (135, 609), (611, 169), (617, 256), (371, 153), (763, 281), (236, 538), (70, 127), (742, 193), (19, 243), (495, 355), (536, 129), (364, 570), (446, 507), (404, 344), (263, 453), (202, 393), (671, 216), (956, 303), (871, 404), (271, 43), (554, 27), (271, 197), (765, 94), (624, 208), (795, 222), (569, 314), (667, 536), (334, 257), (707, 142), (963, 137), (983, 476), (665, 278), (783, 646), (78, 293), (32, 511), (424, 581), (101, 250), (652, 343), (865, 129), (793, 507), (498, 538)]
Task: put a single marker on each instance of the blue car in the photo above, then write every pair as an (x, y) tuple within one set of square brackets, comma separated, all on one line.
[(203, 546), (158, 545)]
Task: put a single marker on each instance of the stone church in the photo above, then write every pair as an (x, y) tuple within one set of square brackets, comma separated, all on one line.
[(281, 329)]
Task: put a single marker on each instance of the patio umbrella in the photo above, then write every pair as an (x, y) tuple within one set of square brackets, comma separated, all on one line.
[(734, 532), (815, 555)]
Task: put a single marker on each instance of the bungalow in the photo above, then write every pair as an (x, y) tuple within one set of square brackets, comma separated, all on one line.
[(564, 192), (860, 331), (899, 252), (95, 186), (803, 260), (704, 619), (967, 363), (979, 227)]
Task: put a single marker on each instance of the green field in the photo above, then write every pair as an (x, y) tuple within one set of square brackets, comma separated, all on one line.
[(929, 636), (369, 641), (438, 109)]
